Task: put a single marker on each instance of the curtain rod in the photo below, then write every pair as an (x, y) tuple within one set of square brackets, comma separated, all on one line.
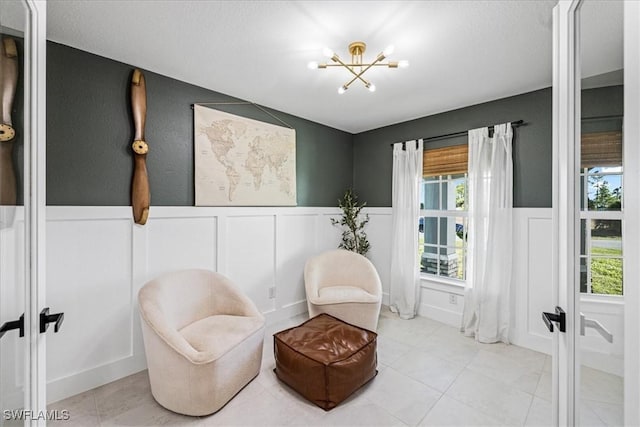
[(515, 124)]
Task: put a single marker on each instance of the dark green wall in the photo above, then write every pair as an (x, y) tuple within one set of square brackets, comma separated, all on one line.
[(89, 134), (532, 145), (602, 109)]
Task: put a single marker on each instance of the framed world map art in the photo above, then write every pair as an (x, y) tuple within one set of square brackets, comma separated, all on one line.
[(241, 161)]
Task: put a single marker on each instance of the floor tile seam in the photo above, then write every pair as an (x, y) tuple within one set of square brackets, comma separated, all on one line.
[(431, 409), (516, 361), (95, 406), (530, 405), (604, 423), (436, 356), (534, 391), (529, 395), (512, 385), (502, 383), (418, 381), (490, 415), (386, 411), (603, 401)]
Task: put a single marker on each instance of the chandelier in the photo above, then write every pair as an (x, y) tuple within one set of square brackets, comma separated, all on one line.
[(357, 67)]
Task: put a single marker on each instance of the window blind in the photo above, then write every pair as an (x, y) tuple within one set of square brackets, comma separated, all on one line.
[(601, 149), (445, 161)]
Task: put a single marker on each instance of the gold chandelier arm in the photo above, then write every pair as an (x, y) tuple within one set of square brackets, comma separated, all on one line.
[(359, 75), (366, 83), (378, 64), (378, 59), (336, 58)]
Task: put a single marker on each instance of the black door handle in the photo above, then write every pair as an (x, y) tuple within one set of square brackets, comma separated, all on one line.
[(14, 324), (557, 317), (46, 318)]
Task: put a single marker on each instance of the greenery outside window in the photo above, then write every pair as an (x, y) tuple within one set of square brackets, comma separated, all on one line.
[(601, 185)]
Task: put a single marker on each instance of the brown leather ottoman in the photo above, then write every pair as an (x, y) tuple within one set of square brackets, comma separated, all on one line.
[(325, 359)]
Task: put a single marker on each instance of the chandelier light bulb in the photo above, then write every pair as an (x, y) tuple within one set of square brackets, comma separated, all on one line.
[(388, 50), (403, 64), (371, 87), (327, 52), (342, 89), (312, 65)]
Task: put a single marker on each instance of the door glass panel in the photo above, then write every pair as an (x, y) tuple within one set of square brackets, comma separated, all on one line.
[(12, 221), (599, 289)]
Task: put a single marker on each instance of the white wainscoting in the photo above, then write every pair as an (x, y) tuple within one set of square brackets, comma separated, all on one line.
[(97, 260)]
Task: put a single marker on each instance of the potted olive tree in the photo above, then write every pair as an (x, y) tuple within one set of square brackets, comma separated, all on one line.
[(353, 236)]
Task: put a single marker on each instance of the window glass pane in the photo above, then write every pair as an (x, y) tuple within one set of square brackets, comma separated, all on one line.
[(604, 192), (431, 230), (584, 278), (448, 234), (582, 190), (606, 276), (606, 237), (461, 231), (583, 236), (459, 184), (447, 199), (431, 192)]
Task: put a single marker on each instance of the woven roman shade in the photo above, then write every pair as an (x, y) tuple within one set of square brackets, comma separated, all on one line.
[(601, 149), (445, 161)]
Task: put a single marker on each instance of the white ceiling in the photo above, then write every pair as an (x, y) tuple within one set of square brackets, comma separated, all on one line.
[(461, 52)]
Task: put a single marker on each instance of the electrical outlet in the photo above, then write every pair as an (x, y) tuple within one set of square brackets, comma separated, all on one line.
[(272, 292), (453, 299)]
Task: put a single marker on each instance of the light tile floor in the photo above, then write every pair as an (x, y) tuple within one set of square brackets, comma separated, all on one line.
[(429, 375)]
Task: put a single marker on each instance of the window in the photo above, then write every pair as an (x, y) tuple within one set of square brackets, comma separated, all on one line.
[(601, 200), (443, 217)]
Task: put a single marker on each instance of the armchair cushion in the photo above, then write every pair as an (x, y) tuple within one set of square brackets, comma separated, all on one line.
[(216, 335), (342, 294)]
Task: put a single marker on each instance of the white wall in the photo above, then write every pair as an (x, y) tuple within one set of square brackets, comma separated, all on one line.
[(97, 260)]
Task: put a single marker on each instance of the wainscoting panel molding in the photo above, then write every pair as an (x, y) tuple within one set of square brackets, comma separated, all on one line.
[(98, 260)]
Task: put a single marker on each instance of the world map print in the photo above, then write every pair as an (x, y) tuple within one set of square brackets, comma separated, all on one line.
[(242, 162)]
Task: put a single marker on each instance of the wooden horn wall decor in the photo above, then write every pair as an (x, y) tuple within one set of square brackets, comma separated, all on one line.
[(140, 194), (8, 83)]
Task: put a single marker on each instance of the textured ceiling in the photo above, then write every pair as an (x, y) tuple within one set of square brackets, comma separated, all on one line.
[(461, 52)]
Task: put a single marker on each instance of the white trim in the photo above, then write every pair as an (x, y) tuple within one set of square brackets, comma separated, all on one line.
[(566, 121), (631, 159), (35, 201)]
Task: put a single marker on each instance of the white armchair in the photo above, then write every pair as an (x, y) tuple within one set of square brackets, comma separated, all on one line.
[(203, 340), (345, 285)]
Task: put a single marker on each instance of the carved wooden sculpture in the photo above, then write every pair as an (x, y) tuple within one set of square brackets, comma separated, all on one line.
[(140, 195), (8, 83)]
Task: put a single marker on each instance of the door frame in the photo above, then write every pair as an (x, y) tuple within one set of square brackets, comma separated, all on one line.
[(565, 213), (631, 250), (566, 129), (35, 208)]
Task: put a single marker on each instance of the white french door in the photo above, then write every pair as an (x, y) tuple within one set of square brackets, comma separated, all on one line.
[(22, 213), (596, 377)]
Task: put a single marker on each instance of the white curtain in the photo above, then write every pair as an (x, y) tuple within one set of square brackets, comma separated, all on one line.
[(405, 274), (490, 207)]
